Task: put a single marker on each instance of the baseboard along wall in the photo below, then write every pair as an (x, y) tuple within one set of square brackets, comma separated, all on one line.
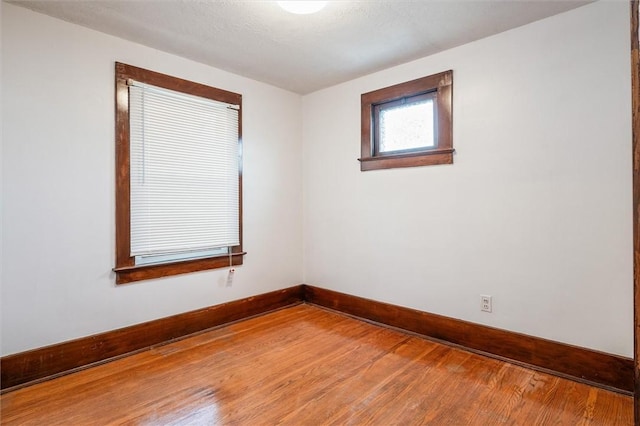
[(62, 358), (584, 365)]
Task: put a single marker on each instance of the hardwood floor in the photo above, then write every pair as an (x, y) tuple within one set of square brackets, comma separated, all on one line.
[(307, 366)]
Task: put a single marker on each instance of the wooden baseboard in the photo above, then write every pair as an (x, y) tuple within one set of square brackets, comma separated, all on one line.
[(576, 363), (584, 365), (66, 357)]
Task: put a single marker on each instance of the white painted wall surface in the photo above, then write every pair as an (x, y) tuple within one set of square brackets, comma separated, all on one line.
[(58, 186), (536, 209), (1, 177)]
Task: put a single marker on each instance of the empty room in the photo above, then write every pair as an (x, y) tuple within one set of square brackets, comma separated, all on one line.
[(319, 213)]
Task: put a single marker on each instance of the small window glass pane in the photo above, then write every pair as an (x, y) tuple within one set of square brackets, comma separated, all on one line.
[(407, 126)]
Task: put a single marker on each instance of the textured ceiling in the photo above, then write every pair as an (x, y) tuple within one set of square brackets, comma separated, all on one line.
[(301, 53)]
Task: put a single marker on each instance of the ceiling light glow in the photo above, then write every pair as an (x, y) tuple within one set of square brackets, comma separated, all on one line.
[(302, 7)]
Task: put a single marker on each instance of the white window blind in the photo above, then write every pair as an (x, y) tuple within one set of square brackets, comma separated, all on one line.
[(184, 167)]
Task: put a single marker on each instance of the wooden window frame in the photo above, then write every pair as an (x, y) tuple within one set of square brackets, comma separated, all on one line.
[(441, 85), (126, 270)]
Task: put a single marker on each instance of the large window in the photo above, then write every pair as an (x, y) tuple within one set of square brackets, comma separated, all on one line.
[(408, 124), (178, 176)]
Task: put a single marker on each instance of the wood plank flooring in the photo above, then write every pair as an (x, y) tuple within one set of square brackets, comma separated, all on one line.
[(307, 366)]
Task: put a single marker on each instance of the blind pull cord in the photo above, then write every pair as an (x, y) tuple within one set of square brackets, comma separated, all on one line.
[(232, 270)]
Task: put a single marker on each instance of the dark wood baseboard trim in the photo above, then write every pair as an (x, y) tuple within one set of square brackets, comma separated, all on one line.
[(51, 361), (584, 365), (576, 363)]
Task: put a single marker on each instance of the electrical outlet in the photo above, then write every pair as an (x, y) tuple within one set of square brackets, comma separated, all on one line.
[(485, 303)]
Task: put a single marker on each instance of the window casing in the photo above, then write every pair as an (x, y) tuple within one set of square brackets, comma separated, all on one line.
[(148, 259), (420, 132)]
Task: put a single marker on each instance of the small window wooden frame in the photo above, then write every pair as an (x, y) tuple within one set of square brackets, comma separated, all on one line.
[(440, 86), (126, 270)]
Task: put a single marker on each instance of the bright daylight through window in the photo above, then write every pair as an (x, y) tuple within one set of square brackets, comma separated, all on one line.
[(408, 124)]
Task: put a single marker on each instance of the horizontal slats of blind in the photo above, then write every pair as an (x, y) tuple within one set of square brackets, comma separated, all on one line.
[(184, 172)]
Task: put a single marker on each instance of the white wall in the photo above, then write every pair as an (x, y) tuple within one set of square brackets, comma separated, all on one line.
[(58, 186), (536, 209), (1, 177)]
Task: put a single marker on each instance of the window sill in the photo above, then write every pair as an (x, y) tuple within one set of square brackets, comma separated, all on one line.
[(129, 274), (414, 159)]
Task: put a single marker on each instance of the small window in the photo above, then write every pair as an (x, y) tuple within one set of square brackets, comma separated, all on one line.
[(178, 189), (408, 124)]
